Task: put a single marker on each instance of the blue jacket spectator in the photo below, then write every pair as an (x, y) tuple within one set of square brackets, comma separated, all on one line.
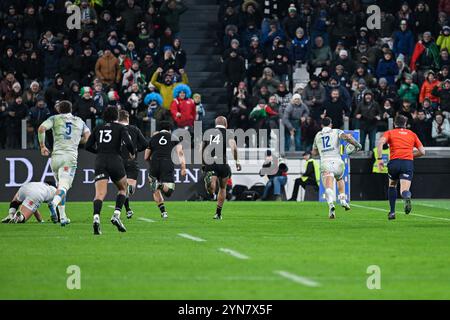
[(299, 47), (387, 68), (403, 41)]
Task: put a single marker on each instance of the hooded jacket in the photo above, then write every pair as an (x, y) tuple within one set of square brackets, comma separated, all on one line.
[(293, 113)]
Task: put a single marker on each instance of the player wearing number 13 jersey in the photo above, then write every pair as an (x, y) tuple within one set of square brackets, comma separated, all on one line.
[(106, 141), (162, 167), (327, 145), (68, 132)]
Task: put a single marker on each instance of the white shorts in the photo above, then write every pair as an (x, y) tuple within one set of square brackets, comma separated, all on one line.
[(28, 197), (64, 168), (332, 168)]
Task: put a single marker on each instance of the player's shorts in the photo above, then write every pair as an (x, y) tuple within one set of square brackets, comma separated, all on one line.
[(109, 166), (64, 168), (219, 170), (332, 168), (399, 169), (162, 170), (131, 169), (28, 197)]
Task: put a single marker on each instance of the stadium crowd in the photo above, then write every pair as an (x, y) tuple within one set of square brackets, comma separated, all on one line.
[(126, 53), (354, 73)]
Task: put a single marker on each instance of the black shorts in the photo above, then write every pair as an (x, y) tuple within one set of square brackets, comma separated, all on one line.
[(219, 170), (109, 166), (131, 169), (400, 169), (162, 170)]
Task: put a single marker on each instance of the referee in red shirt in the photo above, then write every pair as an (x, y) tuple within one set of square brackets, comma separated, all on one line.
[(405, 146)]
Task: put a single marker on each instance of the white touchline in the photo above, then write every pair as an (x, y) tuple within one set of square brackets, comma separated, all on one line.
[(188, 236), (234, 253), (411, 214), (298, 279), (146, 219), (431, 206)]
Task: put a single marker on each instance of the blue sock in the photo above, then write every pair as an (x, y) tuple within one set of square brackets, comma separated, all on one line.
[(406, 194), (392, 196)]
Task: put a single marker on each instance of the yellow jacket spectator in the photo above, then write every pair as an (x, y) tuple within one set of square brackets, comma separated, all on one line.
[(443, 41), (166, 88)]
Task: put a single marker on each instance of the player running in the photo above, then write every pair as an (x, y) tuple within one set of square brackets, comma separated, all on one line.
[(327, 145), (106, 141), (401, 142), (68, 132), (31, 195), (216, 168), (161, 174), (131, 165)]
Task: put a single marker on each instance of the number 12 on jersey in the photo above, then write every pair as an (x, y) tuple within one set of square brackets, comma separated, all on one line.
[(326, 142)]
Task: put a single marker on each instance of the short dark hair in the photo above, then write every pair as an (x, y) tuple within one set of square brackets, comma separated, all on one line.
[(326, 121), (124, 115), (111, 114), (64, 106), (165, 125), (400, 121)]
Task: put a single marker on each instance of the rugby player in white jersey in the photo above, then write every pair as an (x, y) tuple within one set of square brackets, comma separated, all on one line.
[(327, 145), (68, 132), (29, 198)]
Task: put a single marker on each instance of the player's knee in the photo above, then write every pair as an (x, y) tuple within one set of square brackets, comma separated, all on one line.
[(131, 190), (170, 189)]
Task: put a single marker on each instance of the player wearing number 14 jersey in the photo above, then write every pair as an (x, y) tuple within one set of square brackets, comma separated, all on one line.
[(68, 132)]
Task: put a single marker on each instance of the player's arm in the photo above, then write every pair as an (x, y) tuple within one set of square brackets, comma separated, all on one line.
[(314, 150), (46, 125), (91, 143), (86, 134), (419, 150), (182, 159), (128, 142), (142, 142), (234, 151), (38, 216), (349, 138)]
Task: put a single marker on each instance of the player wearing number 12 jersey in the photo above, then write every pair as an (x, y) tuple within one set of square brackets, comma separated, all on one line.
[(68, 132), (161, 174), (327, 145), (106, 141)]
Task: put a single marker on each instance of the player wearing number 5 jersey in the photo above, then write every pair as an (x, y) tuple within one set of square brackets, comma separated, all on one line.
[(401, 142), (327, 145), (68, 132), (161, 175), (106, 141)]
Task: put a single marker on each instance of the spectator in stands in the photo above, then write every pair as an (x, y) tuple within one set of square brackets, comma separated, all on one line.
[(38, 114), (283, 97), (30, 95), (154, 102), (183, 108), (422, 17), (85, 108), (314, 97), (268, 80), (427, 88), (241, 105), (425, 56), (233, 70), (336, 109), (343, 24), (422, 127), (107, 68), (368, 112), (133, 76), (256, 70), (299, 48), (403, 41), (387, 68), (293, 118), (171, 11), (387, 113), (270, 31), (292, 23), (409, 90), (443, 41), (276, 171), (56, 92), (199, 108), (308, 178), (320, 56), (17, 111), (130, 15), (167, 86), (443, 93), (441, 131)]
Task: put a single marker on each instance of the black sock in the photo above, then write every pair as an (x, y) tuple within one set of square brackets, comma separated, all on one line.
[(219, 210), (127, 204), (392, 195), (162, 207), (120, 200), (97, 206), (14, 204)]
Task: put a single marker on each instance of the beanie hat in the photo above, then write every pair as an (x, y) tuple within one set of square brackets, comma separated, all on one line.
[(86, 89), (113, 95)]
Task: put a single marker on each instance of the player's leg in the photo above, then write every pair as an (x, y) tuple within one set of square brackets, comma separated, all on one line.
[(101, 188), (131, 188), (328, 182), (28, 208), (159, 199), (221, 196), (65, 172), (342, 196), (13, 207), (405, 185), (121, 185), (392, 196)]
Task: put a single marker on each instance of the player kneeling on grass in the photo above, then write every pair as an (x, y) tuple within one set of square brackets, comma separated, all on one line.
[(162, 167), (404, 146), (327, 145), (31, 195), (106, 141), (68, 132)]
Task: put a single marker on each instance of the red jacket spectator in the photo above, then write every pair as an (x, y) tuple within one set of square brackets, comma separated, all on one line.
[(183, 112), (427, 88)]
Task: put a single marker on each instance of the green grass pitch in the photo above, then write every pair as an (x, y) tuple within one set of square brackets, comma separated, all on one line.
[(326, 259)]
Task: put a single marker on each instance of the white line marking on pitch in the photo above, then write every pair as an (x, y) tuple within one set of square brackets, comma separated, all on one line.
[(411, 214), (234, 253), (188, 236), (146, 219), (431, 206), (298, 279)]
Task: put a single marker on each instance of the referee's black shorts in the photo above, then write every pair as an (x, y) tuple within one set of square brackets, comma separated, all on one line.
[(399, 169), (109, 166)]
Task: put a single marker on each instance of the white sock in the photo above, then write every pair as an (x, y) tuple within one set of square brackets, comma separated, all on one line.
[(62, 212), (56, 201), (329, 195), (116, 214), (342, 198), (12, 212), (96, 218)]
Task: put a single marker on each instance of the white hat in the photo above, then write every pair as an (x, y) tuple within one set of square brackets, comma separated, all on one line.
[(296, 96), (343, 53)]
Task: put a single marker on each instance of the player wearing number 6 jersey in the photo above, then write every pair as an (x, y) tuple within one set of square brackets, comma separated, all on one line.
[(106, 141), (68, 132), (161, 175), (327, 145), (401, 142)]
